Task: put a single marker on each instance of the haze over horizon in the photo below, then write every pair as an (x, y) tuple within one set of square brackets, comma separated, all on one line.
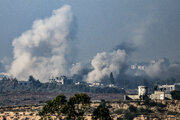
[(149, 28)]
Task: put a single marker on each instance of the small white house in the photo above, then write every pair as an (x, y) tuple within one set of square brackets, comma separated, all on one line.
[(142, 90)]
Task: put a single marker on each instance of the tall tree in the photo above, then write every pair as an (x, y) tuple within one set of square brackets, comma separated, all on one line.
[(111, 78), (78, 104), (56, 106), (73, 109)]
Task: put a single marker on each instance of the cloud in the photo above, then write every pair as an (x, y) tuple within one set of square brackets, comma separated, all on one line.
[(46, 49), (106, 62), (80, 68)]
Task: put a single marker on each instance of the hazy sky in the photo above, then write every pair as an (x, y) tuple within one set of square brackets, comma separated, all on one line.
[(152, 26)]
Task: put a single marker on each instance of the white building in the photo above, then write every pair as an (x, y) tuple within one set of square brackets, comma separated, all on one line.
[(169, 88), (95, 84), (133, 67), (62, 80), (141, 67), (137, 67), (158, 95), (142, 90)]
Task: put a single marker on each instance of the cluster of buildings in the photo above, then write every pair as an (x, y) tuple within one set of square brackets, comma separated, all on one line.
[(137, 67), (62, 80), (161, 92)]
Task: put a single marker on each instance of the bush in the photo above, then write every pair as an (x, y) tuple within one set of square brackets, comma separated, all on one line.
[(161, 110), (172, 113), (119, 111), (152, 104), (144, 111), (161, 105), (132, 109), (129, 115)]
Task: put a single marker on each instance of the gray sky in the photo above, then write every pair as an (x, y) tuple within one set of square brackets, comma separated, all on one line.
[(153, 27)]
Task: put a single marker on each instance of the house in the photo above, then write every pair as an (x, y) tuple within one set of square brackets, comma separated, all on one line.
[(168, 88), (62, 80), (142, 91), (163, 91)]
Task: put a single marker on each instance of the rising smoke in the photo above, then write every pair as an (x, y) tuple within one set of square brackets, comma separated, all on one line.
[(46, 49), (163, 69), (106, 62), (2, 69)]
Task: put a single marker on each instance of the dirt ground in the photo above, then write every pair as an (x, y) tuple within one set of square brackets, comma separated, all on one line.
[(170, 112)]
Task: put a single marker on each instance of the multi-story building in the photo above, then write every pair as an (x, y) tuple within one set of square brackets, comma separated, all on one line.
[(62, 80), (169, 88)]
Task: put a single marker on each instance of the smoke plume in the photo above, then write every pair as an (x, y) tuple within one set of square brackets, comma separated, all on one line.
[(163, 69), (106, 62), (45, 49), (2, 69)]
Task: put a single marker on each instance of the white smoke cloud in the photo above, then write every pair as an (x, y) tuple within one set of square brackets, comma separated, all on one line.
[(141, 29), (163, 69), (77, 68), (156, 68), (106, 62), (45, 49), (2, 69)]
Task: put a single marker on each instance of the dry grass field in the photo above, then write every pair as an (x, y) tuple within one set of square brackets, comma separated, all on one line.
[(29, 98), (170, 111)]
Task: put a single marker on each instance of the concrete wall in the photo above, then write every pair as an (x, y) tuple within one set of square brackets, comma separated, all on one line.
[(158, 95), (168, 96), (132, 97)]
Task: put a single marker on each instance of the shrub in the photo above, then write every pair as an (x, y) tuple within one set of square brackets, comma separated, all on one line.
[(132, 109), (129, 115), (161, 105), (119, 111), (172, 113), (144, 111), (152, 104)]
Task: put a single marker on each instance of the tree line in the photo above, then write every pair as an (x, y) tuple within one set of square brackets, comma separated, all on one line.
[(74, 108)]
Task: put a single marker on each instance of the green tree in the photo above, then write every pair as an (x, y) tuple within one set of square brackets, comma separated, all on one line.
[(78, 105), (101, 112), (111, 78), (34, 82), (56, 106), (73, 109)]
